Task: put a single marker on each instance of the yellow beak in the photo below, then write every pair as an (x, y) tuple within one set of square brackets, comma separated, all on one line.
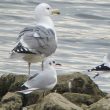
[(55, 12)]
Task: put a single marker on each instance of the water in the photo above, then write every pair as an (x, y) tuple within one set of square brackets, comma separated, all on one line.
[(83, 31)]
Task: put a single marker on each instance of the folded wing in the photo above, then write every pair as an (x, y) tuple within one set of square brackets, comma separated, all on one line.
[(36, 40)]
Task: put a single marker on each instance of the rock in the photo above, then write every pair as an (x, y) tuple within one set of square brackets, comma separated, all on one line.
[(18, 81), (102, 104), (33, 97), (11, 101), (83, 92), (10, 82), (85, 107), (80, 83), (61, 88), (5, 82), (80, 99), (54, 101)]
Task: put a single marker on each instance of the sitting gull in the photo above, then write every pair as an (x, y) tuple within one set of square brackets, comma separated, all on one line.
[(43, 80), (105, 66), (37, 42)]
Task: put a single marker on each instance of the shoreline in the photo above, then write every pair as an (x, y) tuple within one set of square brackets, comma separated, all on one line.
[(84, 94)]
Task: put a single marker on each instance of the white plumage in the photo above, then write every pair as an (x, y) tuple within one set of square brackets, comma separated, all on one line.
[(39, 41), (43, 80)]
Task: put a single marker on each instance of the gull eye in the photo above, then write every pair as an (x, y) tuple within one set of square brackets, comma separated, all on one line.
[(50, 63), (48, 8), (53, 61)]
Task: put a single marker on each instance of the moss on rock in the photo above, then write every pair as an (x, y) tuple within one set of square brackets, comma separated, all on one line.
[(80, 83), (80, 99), (11, 82), (54, 101), (102, 104), (32, 98), (18, 81), (5, 83), (11, 101), (83, 93)]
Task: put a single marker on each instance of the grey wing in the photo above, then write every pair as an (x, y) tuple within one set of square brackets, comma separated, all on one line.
[(40, 81), (33, 76), (38, 40), (20, 46)]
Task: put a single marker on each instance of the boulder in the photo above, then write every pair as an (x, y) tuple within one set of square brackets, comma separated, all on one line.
[(11, 101), (11, 82), (5, 82), (80, 99), (54, 101), (18, 81), (33, 98), (80, 83), (102, 104), (77, 90)]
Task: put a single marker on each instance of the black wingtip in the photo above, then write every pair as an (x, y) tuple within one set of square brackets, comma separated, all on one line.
[(23, 87), (21, 49), (101, 67)]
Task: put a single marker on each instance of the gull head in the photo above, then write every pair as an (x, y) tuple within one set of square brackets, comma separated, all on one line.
[(43, 9), (43, 14), (50, 62)]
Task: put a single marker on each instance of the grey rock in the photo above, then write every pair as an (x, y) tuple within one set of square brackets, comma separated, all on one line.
[(102, 104), (80, 99), (11, 101), (80, 83), (54, 101)]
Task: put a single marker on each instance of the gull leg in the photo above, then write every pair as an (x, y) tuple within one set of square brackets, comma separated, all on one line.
[(29, 64), (42, 65)]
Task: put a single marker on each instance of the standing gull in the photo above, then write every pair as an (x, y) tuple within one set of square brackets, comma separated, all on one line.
[(37, 42), (105, 66), (43, 80)]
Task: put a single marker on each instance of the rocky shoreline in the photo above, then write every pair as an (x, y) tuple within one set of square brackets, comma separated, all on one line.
[(75, 91)]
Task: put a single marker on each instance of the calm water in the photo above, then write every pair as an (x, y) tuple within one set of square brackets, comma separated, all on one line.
[(83, 31)]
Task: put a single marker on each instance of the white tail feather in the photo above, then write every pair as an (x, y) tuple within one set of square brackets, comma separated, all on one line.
[(27, 91)]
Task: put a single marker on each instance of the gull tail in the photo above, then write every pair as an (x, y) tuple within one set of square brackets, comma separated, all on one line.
[(27, 91), (101, 67)]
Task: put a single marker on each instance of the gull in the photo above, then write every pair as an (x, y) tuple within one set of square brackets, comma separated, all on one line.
[(37, 42), (44, 80), (104, 67)]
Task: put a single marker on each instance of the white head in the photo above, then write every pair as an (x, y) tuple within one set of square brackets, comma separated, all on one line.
[(43, 12), (43, 9), (49, 63)]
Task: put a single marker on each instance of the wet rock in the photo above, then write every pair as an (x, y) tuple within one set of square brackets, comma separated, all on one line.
[(80, 99), (61, 88), (102, 104), (54, 101), (5, 82), (18, 81), (33, 97), (80, 83), (11, 101), (10, 82), (83, 92), (85, 107)]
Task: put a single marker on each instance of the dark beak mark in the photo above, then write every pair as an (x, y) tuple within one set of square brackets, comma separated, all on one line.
[(58, 64)]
